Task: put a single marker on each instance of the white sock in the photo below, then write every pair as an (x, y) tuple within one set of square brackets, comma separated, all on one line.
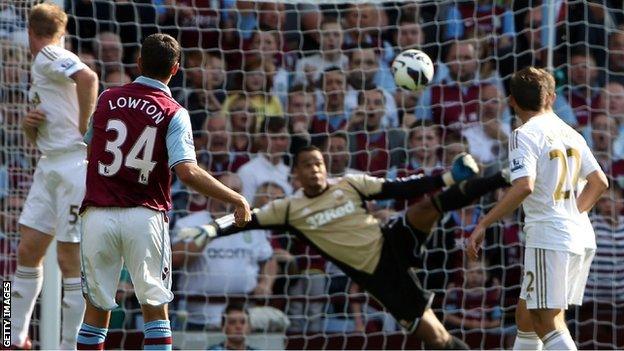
[(73, 307), (559, 340), (26, 286), (527, 341)]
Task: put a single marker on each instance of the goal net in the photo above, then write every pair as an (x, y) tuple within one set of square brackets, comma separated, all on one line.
[(262, 79)]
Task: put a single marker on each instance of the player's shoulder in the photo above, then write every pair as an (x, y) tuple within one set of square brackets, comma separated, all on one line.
[(53, 53)]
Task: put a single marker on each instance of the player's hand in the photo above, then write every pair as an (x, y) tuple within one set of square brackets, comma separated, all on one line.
[(464, 167), (200, 235), (475, 241), (242, 213), (34, 118)]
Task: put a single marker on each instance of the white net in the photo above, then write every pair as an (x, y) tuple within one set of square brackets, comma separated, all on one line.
[(251, 69)]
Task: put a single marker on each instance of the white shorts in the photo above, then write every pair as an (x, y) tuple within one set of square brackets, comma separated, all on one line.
[(554, 279), (138, 237), (56, 194)]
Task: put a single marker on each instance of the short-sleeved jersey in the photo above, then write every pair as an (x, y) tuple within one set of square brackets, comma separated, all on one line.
[(54, 92), (336, 222), (137, 132), (548, 150)]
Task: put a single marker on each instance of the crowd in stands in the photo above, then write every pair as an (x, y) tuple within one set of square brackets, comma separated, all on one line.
[(261, 79)]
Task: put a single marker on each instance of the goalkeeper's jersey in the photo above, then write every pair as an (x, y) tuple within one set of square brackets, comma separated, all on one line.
[(335, 221)]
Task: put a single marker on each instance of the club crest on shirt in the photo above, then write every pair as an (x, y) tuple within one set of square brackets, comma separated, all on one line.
[(338, 194)]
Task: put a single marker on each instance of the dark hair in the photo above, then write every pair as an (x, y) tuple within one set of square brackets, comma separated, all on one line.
[(361, 47), (159, 53), (321, 80), (531, 87), (423, 123), (273, 124), (304, 149), (361, 96), (233, 306)]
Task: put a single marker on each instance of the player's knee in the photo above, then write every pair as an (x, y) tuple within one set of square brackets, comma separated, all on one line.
[(30, 254)]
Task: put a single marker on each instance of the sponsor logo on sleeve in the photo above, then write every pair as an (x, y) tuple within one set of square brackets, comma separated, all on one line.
[(67, 64), (517, 164)]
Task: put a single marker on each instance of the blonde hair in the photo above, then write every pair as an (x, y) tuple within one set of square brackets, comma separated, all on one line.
[(47, 20)]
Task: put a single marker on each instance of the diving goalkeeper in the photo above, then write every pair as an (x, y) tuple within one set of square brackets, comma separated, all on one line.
[(331, 216)]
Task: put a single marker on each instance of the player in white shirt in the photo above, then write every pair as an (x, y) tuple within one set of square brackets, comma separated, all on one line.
[(63, 95), (547, 159)]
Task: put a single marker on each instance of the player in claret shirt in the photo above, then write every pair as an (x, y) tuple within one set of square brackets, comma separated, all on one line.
[(138, 134), (331, 216)]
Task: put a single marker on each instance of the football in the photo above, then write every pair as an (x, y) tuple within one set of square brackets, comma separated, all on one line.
[(412, 70)]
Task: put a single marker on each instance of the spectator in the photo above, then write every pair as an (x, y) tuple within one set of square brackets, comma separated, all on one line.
[(364, 24), (308, 69), (257, 83), (604, 133), (236, 326), (375, 149), (476, 19), (583, 93), (242, 125), (600, 320), (239, 264), (300, 112), (265, 47), (367, 71), (424, 149), (487, 141), (332, 113), (268, 165), (88, 59), (615, 51), (612, 102), (108, 50), (205, 90), (473, 304), (115, 79), (336, 147), (409, 34), (219, 157), (454, 103)]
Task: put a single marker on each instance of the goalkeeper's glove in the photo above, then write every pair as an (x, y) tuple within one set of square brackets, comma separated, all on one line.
[(464, 167), (200, 235)]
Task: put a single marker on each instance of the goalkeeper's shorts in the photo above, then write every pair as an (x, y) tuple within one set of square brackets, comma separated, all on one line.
[(394, 283)]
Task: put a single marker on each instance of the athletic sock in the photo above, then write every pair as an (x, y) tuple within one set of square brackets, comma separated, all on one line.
[(91, 338), (527, 341), (73, 307), (157, 335), (558, 340), (464, 193), (27, 284)]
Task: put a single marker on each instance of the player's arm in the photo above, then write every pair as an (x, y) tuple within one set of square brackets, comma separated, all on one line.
[(198, 179), (270, 216), (182, 159), (464, 167), (31, 123), (86, 90), (523, 155), (597, 183)]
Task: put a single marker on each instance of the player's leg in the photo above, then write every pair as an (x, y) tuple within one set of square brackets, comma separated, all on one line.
[(526, 338), (146, 231), (423, 214), (36, 233), (431, 331), (100, 256), (27, 281), (69, 194), (73, 304), (546, 293)]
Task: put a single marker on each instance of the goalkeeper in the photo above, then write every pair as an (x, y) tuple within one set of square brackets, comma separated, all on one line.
[(331, 216)]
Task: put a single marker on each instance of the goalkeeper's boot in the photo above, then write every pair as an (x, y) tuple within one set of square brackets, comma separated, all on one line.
[(464, 167)]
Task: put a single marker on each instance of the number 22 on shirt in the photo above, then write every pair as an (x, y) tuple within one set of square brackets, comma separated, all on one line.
[(563, 157)]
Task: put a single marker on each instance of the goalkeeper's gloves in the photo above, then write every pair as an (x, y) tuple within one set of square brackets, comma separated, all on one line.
[(464, 167), (200, 235)]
